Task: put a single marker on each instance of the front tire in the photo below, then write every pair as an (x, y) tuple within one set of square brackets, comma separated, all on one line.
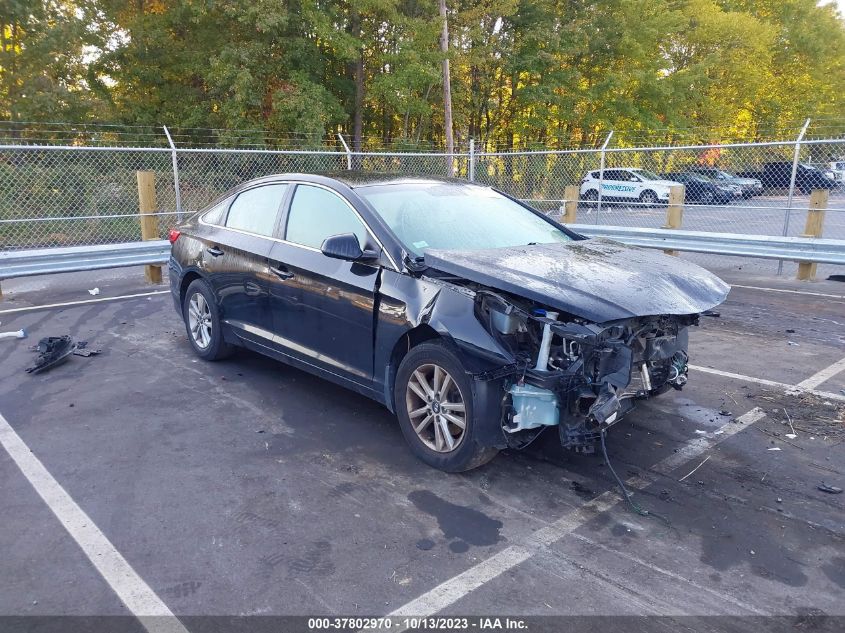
[(648, 198), (202, 322), (435, 404)]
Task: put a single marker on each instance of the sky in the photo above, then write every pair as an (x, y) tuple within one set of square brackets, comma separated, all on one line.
[(838, 3)]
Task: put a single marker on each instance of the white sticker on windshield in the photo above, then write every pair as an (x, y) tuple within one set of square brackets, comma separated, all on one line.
[(422, 244)]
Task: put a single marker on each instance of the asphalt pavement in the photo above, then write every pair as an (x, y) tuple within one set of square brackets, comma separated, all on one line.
[(247, 487)]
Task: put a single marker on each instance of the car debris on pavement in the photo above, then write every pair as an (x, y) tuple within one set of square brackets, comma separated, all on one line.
[(833, 490), (54, 350), (17, 334)]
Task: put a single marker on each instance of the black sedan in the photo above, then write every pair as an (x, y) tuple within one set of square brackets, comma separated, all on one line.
[(476, 319), (702, 189)]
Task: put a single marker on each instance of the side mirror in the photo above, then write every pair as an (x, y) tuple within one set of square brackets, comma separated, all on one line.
[(344, 246)]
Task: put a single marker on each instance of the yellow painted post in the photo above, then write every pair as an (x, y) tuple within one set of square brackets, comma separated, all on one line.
[(149, 221), (675, 211), (570, 204), (813, 228)]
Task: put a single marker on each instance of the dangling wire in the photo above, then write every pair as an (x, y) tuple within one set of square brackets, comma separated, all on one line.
[(627, 495)]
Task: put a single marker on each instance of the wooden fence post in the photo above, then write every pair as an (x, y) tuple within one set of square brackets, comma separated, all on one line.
[(813, 228), (149, 221), (675, 211), (570, 204)]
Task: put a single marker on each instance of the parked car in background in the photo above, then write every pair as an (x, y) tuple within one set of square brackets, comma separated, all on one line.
[(702, 189), (837, 168), (479, 321), (778, 175), (630, 184), (750, 186)]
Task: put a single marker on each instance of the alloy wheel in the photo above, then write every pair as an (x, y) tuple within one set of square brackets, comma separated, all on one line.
[(199, 320), (436, 408)]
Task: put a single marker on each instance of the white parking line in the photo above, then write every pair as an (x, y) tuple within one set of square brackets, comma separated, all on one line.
[(794, 292), (447, 593), (117, 572), (824, 375), (83, 302), (769, 383)]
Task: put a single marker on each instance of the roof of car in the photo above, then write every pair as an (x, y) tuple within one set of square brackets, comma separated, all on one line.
[(364, 178), (354, 179)]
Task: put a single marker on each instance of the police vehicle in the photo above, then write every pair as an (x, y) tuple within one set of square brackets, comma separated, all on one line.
[(630, 184)]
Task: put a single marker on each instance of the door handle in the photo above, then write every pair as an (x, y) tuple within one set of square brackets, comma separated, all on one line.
[(281, 273), (214, 252)]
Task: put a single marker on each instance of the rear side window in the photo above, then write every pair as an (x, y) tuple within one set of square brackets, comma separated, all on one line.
[(255, 210), (317, 213)]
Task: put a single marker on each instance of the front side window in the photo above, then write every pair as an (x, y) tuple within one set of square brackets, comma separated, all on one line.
[(457, 216), (255, 210), (316, 213), (645, 174)]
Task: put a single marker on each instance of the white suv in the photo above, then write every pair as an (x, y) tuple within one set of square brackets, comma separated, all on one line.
[(627, 184)]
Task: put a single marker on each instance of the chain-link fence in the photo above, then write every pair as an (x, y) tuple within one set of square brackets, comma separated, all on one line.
[(748, 189), (67, 195)]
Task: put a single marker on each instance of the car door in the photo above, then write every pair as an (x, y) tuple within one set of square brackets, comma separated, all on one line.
[(323, 307), (617, 184), (236, 261)]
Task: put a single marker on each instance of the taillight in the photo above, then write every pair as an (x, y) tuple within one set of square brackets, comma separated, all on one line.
[(173, 235)]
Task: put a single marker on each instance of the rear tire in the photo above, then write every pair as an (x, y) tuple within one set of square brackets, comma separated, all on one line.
[(202, 322), (434, 398)]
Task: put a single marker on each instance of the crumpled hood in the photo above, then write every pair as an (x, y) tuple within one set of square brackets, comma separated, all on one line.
[(596, 279)]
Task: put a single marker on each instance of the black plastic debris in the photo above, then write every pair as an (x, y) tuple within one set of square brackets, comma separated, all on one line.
[(82, 349), (711, 313), (829, 489), (836, 278), (52, 351)]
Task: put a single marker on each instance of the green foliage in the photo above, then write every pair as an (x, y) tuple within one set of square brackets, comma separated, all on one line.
[(524, 72)]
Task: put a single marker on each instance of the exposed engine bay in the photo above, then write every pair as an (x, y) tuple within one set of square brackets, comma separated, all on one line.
[(579, 376)]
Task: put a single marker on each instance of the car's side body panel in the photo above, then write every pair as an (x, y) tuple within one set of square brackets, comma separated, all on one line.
[(323, 311)]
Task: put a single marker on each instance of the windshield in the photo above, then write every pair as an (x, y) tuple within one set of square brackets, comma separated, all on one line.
[(457, 216), (646, 174)]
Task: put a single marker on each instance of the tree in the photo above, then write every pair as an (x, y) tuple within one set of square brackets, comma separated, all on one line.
[(44, 60), (524, 73)]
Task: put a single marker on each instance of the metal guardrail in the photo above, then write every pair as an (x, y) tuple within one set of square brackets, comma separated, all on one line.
[(156, 252), (799, 249), (45, 261)]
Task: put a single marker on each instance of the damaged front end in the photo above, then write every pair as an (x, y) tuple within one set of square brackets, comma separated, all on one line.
[(579, 376)]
